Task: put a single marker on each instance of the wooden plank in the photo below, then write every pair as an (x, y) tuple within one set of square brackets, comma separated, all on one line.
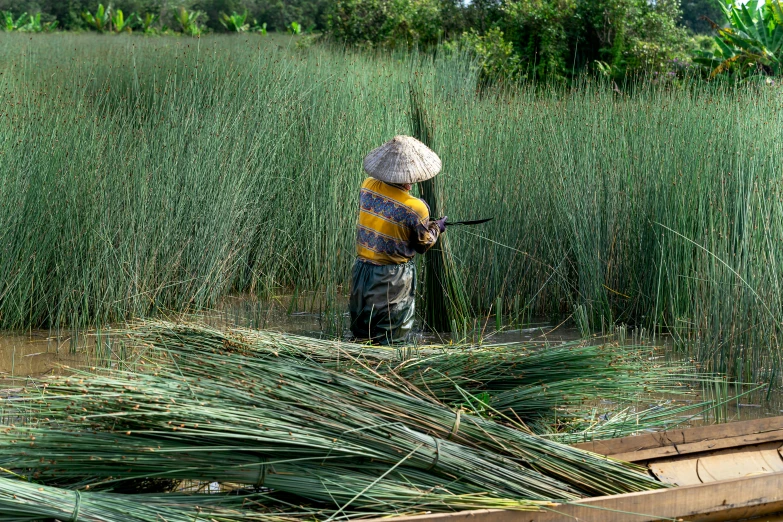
[(669, 438), (698, 447), (713, 502), (676, 472), (731, 465), (712, 466)]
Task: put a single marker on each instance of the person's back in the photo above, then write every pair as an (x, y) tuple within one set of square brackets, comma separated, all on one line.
[(393, 226)]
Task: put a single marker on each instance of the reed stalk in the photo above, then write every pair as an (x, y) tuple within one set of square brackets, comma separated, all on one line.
[(444, 297)]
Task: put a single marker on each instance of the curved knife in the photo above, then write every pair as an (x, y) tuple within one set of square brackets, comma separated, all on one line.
[(474, 222)]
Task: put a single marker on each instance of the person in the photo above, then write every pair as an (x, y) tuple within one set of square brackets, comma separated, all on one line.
[(393, 227)]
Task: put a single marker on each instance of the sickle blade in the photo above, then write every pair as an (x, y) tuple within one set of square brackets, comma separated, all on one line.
[(473, 222)]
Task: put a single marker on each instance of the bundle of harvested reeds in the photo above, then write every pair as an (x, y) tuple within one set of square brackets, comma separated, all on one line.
[(285, 409), (22, 501), (281, 417), (107, 459), (445, 302), (594, 424), (515, 379)]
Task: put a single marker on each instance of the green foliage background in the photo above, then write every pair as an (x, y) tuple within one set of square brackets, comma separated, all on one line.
[(278, 14), (514, 38), (694, 12), (527, 38)]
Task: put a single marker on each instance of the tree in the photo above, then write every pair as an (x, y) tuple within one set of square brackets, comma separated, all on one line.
[(694, 13), (553, 36), (278, 14), (751, 44), (390, 23), (538, 30), (481, 15)]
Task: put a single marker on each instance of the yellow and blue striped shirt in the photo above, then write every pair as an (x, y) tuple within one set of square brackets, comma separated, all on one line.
[(393, 225)]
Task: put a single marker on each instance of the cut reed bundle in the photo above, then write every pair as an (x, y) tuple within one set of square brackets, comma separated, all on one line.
[(594, 424), (520, 380), (22, 501), (445, 302), (281, 408), (326, 485), (283, 417)]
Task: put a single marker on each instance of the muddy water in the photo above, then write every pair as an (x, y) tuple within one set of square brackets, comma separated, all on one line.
[(38, 352)]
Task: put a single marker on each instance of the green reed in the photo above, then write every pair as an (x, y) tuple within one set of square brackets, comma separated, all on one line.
[(22, 501), (153, 174), (621, 386), (523, 379), (291, 411), (444, 299)]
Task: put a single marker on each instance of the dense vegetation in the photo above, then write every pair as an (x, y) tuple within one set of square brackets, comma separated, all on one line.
[(456, 16), (513, 39), (145, 174), (278, 15), (538, 38)]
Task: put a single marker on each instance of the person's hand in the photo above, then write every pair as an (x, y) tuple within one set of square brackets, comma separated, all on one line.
[(442, 223)]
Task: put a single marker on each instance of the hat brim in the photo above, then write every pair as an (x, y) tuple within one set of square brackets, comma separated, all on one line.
[(403, 159)]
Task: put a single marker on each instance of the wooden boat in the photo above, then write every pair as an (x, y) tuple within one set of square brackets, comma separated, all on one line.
[(724, 472)]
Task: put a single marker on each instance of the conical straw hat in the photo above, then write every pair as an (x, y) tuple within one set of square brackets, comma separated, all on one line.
[(402, 159)]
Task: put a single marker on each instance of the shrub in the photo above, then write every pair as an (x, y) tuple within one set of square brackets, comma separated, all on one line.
[(653, 38), (188, 21), (100, 20), (538, 31), (119, 23), (235, 22), (752, 44), (625, 36), (145, 23), (495, 56), (388, 23)]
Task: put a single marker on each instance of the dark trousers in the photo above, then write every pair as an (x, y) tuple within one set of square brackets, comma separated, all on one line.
[(383, 301)]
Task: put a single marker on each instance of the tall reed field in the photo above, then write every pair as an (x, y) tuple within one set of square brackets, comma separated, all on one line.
[(147, 174)]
